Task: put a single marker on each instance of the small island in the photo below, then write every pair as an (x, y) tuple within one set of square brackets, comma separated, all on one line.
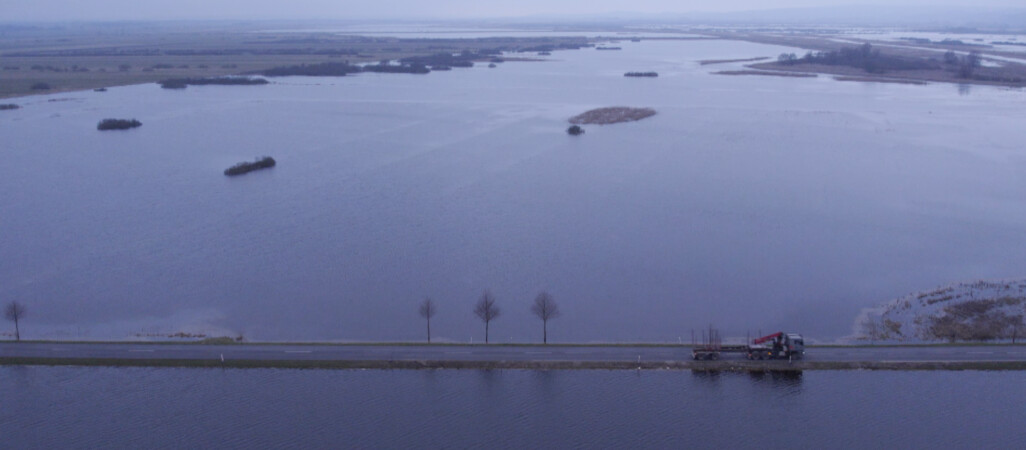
[(118, 124), (182, 83), (608, 48), (8, 107), (575, 130), (247, 167), (615, 114), (641, 74)]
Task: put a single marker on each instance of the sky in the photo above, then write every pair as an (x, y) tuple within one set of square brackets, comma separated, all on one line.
[(103, 10)]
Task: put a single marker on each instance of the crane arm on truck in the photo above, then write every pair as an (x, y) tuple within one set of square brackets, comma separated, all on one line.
[(767, 338)]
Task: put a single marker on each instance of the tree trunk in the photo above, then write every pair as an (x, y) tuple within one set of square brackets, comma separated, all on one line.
[(486, 332), (17, 332), (429, 330), (545, 331)]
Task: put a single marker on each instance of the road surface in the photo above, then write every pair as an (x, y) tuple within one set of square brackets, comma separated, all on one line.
[(11, 351)]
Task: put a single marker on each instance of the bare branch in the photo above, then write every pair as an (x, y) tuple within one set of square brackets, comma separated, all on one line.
[(485, 308), (427, 308), (15, 311), (545, 307)]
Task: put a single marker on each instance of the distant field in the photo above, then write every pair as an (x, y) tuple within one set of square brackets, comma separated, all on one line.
[(90, 57)]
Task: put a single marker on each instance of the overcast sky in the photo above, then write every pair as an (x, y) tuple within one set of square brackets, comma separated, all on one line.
[(46, 10)]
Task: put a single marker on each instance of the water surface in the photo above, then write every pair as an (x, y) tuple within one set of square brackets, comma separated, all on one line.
[(750, 203), (146, 408)]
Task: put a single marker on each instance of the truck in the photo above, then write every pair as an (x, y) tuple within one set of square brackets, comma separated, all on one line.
[(778, 345)]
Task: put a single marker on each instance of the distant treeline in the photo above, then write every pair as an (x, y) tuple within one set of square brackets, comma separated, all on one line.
[(925, 41), (641, 74), (862, 57), (118, 124), (182, 83), (465, 58)]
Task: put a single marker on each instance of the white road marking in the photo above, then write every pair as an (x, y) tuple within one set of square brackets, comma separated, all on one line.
[(298, 351), (141, 351)]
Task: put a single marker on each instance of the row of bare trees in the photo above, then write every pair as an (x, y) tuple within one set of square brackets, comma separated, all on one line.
[(544, 308), (485, 309)]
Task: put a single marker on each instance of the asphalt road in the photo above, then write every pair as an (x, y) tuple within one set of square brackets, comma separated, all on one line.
[(301, 352)]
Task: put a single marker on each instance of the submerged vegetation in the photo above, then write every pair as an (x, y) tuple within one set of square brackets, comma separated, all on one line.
[(615, 114), (182, 83), (118, 124), (247, 167)]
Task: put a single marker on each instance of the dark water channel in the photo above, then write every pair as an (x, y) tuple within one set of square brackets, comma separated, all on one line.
[(52, 407)]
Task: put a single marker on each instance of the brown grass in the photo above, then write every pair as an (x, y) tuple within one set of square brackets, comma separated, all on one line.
[(615, 114)]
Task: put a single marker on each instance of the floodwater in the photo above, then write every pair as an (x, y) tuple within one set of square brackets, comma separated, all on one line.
[(748, 203), (56, 407)]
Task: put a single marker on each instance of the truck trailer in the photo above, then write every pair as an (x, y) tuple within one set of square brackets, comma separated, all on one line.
[(778, 345)]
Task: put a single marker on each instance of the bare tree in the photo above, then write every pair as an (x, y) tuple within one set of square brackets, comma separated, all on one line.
[(427, 311), (14, 312), (545, 308), (486, 310), (872, 329)]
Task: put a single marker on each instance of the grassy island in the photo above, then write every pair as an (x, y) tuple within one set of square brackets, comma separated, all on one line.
[(641, 74), (118, 124), (8, 106), (247, 167), (575, 130), (615, 114), (182, 83)]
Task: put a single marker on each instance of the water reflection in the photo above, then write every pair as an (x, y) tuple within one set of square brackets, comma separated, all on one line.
[(964, 89), (786, 382)]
